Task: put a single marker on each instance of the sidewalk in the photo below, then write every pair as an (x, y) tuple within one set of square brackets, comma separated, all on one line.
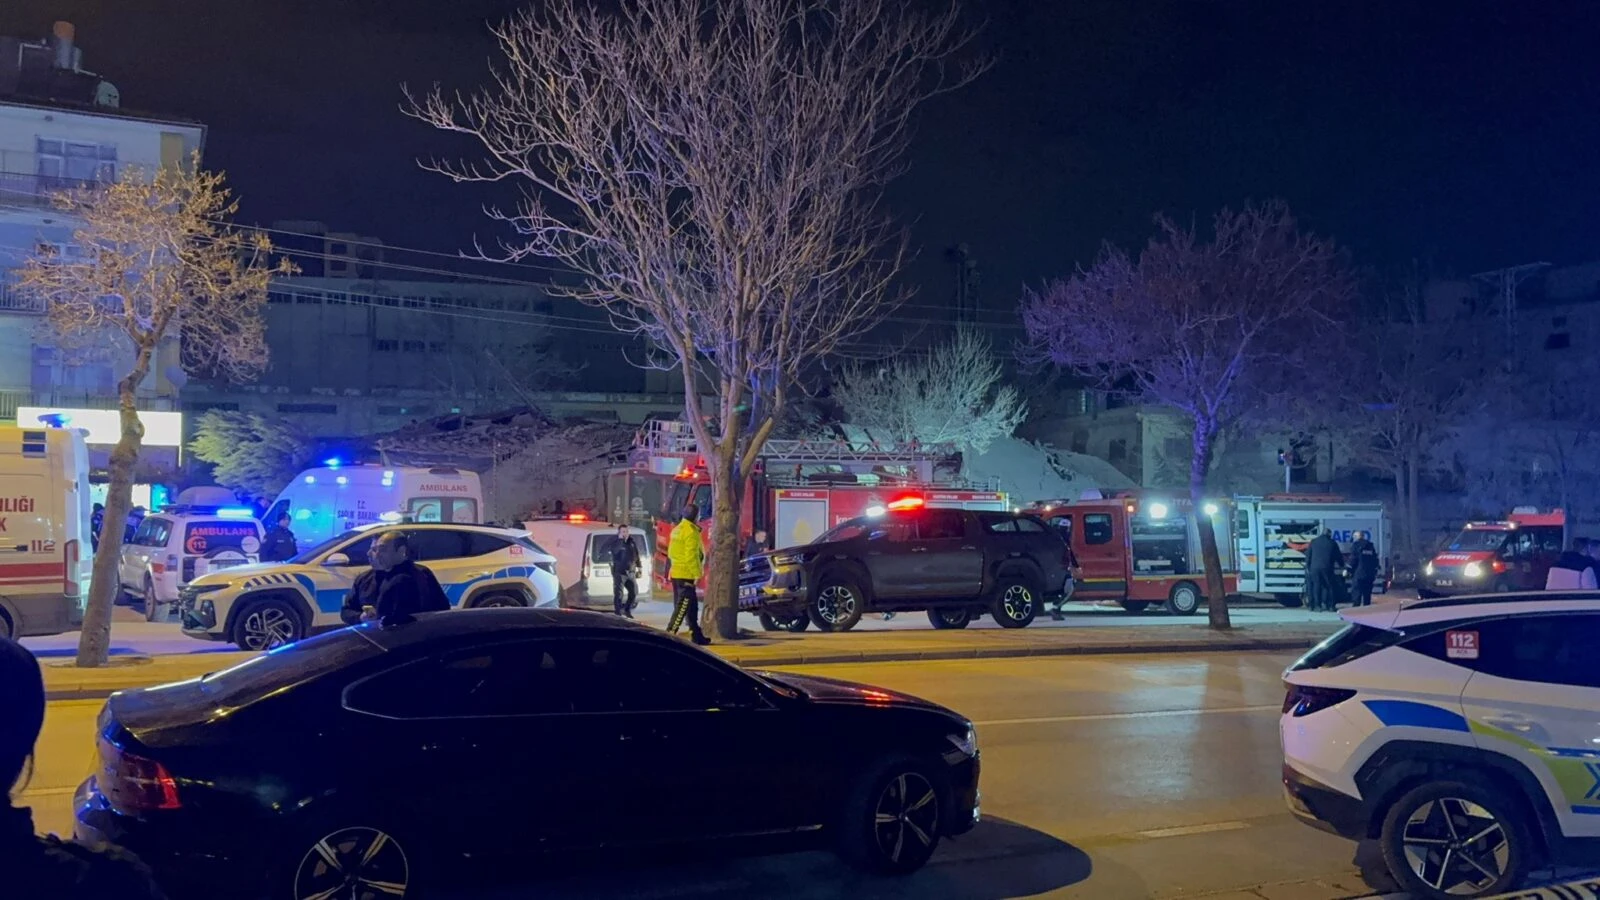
[(64, 681)]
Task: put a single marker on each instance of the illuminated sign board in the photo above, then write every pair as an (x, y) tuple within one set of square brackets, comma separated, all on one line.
[(104, 426)]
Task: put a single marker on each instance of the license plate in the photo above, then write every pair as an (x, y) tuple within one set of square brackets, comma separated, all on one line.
[(746, 592), (1444, 582)]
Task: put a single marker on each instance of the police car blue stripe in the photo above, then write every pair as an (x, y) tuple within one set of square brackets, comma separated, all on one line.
[(1586, 810), (1416, 715)]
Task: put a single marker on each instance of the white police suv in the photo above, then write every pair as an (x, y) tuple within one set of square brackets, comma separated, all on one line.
[(262, 606), (1462, 734)]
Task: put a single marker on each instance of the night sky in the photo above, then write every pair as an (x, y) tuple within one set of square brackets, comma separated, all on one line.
[(1460, 135)]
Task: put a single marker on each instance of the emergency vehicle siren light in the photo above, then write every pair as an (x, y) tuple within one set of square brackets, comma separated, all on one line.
[(907, 503), (577, 517), (332, 462), (55, 420), (235, 512), (875, 511)]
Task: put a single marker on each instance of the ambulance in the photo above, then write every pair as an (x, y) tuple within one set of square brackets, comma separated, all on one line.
[(333, 498), (45, 551)]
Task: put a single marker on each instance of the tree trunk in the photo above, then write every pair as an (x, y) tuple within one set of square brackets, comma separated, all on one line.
[(1402, 522), (1413, 513), (1199, 467), (94, 641), (721, 613)]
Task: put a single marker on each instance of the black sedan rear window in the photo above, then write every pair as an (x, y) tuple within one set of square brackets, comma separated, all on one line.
[(288, 666)]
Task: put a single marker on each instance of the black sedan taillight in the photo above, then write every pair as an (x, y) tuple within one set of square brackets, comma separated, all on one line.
[(1301, 700), (133, 784)]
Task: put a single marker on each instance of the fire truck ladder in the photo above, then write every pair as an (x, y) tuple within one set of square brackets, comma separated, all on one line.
[(659, 438)]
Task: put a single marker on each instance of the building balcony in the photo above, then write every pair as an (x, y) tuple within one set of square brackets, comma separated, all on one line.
[(26, 180), (14, 300)]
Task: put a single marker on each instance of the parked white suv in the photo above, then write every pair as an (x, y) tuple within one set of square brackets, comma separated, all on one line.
[(262, 606), (1462, 734), (173, 547)]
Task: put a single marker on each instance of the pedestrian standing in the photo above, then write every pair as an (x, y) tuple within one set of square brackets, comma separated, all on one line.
[(36, 866), (97, 521), (685, 561), (1363, 568), (625, 570), (1322, 569), (395, 587), (280, 544)]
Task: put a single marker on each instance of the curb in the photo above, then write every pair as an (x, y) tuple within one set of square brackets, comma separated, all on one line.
[(79, 691)]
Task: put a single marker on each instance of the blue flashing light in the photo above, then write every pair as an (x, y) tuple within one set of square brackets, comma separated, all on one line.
[(342, 480), (333, 462), (55, 420), (311, 479), (388, 474), (302, 514), (235, 512)]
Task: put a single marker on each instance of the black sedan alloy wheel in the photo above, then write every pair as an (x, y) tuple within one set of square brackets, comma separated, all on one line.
[(357, 863)]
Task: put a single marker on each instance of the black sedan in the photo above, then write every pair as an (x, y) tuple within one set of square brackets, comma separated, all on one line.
[(367, 761)]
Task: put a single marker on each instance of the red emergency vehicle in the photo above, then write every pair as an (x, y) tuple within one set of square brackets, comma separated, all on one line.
[(800, 489), (1139, 548), (1485, 557)]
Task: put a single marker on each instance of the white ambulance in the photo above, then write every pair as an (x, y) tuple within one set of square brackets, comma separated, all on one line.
[(45, 550), (334, 498)]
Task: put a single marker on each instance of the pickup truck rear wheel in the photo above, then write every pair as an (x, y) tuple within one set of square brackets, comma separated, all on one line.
[(838, 604), (950, 617), (1016, 602)]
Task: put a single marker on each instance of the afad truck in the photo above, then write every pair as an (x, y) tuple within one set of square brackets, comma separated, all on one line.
[(1272, 532), (327, 501), (45, 548)]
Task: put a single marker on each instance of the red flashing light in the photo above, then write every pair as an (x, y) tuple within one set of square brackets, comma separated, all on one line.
[(1499, 566), (908, 503), (577, 517)]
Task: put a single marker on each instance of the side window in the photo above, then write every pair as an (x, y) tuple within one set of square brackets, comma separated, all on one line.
[(522, 678), (1554, 649), (894, 531), (1000, 525), (1063, 525), (1548, 539), (633, 676), (479, 543), (702, 500), (141, 537), (943, 525), (461, 510), (160, 532), (1241, 524), (278, 511), (1097, 528), (428, 510), (357, 551), (1030, 526), (438, 543)]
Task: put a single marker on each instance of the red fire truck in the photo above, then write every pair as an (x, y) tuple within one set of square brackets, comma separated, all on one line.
[(1140, 548), (799, 490), (1511, 555)]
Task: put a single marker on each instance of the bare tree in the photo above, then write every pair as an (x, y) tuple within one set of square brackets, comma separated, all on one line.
[(1220, 330), (158, 262), (1419, 383), (713, 172), (949, 394)]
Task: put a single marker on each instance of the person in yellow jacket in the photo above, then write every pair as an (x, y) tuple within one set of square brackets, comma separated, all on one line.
[(685, 553)]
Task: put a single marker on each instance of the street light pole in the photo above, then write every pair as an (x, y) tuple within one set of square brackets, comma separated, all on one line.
[(1287, 461)]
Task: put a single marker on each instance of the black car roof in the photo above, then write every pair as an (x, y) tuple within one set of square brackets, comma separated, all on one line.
[(466, 622)]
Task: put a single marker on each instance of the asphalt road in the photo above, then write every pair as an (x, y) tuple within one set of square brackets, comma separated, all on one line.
[(1106, 777)]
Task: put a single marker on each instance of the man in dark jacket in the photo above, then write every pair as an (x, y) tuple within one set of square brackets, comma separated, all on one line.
[(48, 867), (1363, 569), (280, 543), (1322, 571), (624, 570), (395, 587)]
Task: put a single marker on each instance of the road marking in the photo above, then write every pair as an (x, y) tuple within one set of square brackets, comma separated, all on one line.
[(1191, 829), (1148, 714)]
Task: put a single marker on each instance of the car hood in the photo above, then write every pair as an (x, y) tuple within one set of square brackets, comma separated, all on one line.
[(1462, 557), (833, 690), (240, 573)]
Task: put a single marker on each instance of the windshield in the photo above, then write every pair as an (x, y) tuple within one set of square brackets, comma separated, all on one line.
[(847, 530), (1477, 540), (307, 556)]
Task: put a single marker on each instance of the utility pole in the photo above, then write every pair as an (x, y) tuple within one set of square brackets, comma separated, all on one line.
[(967, 280), (1505, 282)]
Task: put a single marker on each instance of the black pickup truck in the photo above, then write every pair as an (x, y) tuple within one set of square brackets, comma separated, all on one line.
[(956, 564)]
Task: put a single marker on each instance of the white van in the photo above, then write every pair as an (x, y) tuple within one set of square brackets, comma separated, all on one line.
[(205, 531), (332, 499), (582, 548), (46, 556)]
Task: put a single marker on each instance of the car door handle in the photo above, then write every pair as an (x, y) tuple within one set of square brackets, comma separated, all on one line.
[(969, 547), (919, 549)]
